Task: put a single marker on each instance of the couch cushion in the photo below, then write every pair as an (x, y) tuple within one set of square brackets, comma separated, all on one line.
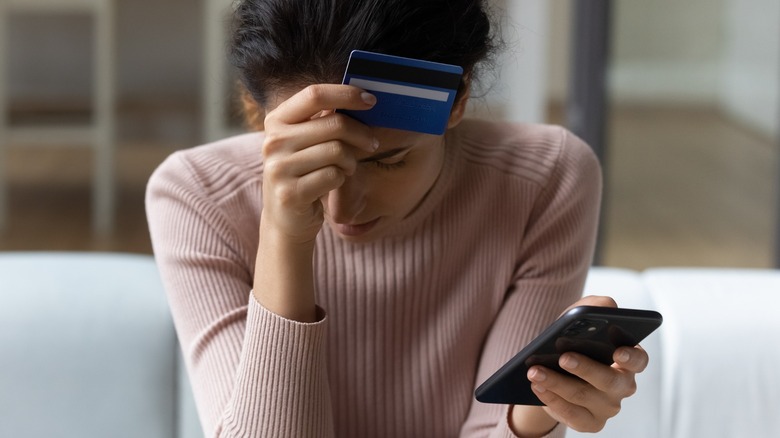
[(721, 351), (187, 418), (88, 348)]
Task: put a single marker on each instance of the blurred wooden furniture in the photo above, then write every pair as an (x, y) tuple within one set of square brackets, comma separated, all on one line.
[(98, 132)]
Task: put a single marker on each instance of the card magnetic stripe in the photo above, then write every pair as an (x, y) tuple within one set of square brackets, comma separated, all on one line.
[(404, 73)]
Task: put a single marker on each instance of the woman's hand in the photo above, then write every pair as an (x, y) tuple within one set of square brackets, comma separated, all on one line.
[(585, 404), (309, 151)]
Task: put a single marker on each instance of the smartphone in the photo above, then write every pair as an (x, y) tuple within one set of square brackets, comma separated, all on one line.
[(593, 331)]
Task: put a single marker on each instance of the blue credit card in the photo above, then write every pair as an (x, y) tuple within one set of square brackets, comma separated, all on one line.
[(412, 94)]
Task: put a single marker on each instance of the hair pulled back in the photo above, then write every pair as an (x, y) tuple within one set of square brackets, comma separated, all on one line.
[(279, 43)]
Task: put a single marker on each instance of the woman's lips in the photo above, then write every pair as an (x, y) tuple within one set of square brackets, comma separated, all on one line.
[(354, 230)]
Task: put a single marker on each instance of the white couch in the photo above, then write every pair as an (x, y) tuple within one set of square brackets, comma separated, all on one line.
[(87, 349), (715, 362)]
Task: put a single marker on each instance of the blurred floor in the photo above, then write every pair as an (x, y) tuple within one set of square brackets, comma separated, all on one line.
[(50, 200), (687, 187)]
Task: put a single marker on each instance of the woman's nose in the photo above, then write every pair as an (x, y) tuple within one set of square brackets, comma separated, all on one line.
[(345, 204)]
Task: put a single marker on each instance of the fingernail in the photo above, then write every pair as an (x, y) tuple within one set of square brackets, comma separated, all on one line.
[(623, 356), (537, 375), (374, 144), (538, 388), (368, 98), (569, 362)]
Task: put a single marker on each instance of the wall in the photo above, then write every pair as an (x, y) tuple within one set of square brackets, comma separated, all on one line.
[(662, 51), (667, 51), (750, 84), (558, 44), (518, 91), (718, 53)]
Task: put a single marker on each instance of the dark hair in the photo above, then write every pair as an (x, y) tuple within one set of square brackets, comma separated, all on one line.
[(299, 42)]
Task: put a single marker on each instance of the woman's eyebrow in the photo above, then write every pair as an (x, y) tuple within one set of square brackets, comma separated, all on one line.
[(383, 155)]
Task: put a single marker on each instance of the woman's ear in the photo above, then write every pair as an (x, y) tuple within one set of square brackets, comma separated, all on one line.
[(254, 113), (459, 108)]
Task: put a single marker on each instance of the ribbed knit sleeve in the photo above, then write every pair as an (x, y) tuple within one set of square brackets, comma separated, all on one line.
[(555, 255), (281, 388), (254, 374)]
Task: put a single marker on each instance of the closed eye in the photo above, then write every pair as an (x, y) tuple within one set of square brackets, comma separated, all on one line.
[(385, 165), (388, 160), (385, 156)]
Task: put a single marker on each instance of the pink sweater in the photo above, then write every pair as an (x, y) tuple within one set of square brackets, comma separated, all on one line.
[(411, 323)]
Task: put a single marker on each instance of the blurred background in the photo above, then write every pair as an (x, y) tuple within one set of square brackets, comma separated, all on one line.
[(691, 144)]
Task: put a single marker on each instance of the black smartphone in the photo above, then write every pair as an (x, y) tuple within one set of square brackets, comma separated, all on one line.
[(593, 331)]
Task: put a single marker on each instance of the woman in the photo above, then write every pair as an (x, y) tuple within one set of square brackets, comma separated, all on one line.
[(328, 278)]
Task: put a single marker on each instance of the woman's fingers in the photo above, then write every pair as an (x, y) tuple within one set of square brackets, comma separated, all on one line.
[(306, 175), (593, 393), (298, 194), (572, 401), (613, 381), (571, 414), (334, 126), (586, 400), (312, 185), (633, 359), (594, 300), (332, 153), (309, 150), (313, 99), (292, 175)]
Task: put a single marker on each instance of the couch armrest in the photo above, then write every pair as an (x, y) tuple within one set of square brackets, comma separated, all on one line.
[(721, 351), (88, 348)]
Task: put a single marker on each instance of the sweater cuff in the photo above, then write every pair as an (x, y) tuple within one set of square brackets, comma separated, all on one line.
[(505, 431), (282, 377)]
